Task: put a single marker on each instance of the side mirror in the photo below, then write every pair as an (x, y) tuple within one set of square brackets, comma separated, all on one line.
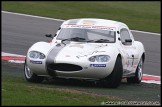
[(50, 35), (128, 40)]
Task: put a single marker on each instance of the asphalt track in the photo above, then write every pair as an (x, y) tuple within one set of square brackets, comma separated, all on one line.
[(20, 32)]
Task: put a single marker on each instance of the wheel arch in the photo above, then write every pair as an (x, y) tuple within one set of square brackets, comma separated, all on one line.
[(119, 55), (143, 57), (41, 46)]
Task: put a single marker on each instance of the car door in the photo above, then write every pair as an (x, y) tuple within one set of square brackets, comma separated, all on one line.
[(129, 49)]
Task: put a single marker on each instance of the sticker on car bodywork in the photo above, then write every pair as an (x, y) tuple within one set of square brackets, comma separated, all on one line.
[(88, 22), (35, 62), (97, 65), (76, 45), (111, 28)]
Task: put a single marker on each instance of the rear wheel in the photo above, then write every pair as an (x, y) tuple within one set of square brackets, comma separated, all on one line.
[(114, 79), (30, 76), (138, 74)]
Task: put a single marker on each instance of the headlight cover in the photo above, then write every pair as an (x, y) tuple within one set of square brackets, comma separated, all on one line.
[(99, 58), (36, 55)]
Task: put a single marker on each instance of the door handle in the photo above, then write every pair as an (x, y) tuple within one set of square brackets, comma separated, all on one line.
[(132, 59)]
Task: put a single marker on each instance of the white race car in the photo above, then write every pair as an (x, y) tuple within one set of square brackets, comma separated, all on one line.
[(90, 49)]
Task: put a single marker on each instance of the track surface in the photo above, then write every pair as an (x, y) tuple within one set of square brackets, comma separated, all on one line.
[(20, 32)]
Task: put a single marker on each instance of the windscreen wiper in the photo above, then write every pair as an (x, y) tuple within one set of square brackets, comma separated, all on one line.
[(77, 39), (99, 40), (74, 39), (102, 40), (66, 41)]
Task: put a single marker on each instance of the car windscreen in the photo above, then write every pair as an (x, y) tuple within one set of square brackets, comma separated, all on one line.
[(87, 34)]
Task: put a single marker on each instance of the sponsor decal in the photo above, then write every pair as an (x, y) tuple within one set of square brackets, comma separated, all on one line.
[(35, 62), (76, 45), (97, 65), (88, 22), (90, 27), (89, 54)]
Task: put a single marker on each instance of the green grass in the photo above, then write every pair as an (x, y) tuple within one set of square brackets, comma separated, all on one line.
[(16, 92), (138, 15)]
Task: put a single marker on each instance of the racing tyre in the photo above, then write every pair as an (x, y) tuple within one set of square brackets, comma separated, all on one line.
[(30, 76), (114, 79), (138, 74)]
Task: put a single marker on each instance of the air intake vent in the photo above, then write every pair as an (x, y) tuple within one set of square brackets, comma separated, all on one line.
[(64, 67)]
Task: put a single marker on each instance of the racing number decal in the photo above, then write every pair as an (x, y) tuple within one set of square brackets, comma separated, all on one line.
[(130, 62)]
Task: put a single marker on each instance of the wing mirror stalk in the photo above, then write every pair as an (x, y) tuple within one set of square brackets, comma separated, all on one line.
[(50, 35)]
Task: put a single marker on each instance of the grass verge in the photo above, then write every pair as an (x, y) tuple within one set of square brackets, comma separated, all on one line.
[(139, 15), (16, 92)]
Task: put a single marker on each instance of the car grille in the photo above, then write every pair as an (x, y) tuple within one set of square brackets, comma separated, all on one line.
[(64, 67)]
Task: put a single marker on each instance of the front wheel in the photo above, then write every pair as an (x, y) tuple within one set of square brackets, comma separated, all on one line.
[(138, 74), (30, 76), (114, 79)]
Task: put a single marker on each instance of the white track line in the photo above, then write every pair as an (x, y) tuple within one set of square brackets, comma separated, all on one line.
[(32, 16), (151, 75), (145, 32), (151, 81), (10, 54), (64, 20)]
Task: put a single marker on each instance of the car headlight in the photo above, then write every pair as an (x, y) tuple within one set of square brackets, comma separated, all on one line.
[(100, 58), (36, 55)]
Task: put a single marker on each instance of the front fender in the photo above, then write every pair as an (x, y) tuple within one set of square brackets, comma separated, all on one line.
[(42, 47), (35, 67), (113, 52)]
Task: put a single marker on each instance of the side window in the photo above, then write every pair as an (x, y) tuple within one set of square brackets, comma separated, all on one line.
[(125, 37)]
